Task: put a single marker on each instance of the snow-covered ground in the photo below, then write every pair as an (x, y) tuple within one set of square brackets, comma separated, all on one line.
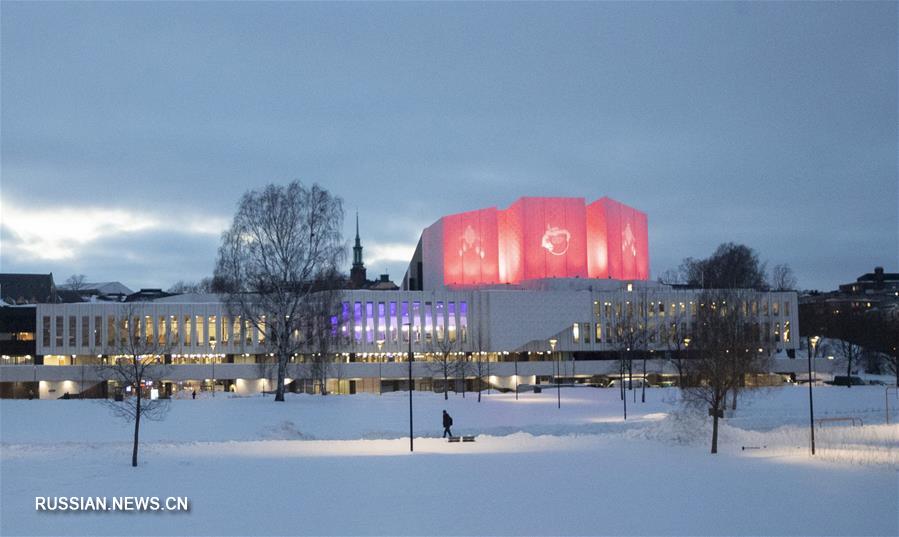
[(341, 465)]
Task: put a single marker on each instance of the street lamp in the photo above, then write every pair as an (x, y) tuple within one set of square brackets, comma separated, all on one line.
[(552, 346), (380, 343), (411, 359), (516, 378), (812, 343), (212, 345)]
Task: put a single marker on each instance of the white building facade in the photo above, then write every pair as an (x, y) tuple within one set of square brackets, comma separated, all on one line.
[(518, 334)]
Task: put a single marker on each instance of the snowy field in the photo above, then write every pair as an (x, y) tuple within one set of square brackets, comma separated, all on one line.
[(340, 465)]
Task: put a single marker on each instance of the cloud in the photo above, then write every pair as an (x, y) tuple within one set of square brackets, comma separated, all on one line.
[(59, 235), (393, 253)]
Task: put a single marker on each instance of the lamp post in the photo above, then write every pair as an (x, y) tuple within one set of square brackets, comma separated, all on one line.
[(380, 343), (552, 347), (212, 345), (687, 352), (516, 378), (812, 343), (411, 359)]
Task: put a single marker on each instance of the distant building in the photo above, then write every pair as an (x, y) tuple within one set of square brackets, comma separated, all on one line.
[(873, 283), (96, 291), (853, 311), (28, 289)]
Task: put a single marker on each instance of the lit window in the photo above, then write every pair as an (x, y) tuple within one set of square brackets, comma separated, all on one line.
[(576, 332), (630, 287), (369, 322), (382, 321)]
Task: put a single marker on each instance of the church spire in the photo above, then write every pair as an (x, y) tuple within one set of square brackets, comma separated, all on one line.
[(357, 273), (357, 249)]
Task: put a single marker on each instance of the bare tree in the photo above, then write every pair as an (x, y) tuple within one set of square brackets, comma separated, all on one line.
[(724, 353), (851, 353), (885, 337), (671, 277), (181, 287), (677, 338), (320, 327), (731, 266), (629, 338), (446, 363), (282, 240), (266, 368), (76, 282), (137, 364), (782, 278)]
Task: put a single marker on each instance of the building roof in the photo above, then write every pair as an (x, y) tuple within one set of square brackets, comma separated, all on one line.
[(101, 288), (873, 277), (192, 298), (28, 288), (147, 295)]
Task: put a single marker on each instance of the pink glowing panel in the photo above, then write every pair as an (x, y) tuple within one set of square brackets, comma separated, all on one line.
[(626, 241), (642, 231), (564, 238), (470, 252), (597, 244), (509, 234), (613, 236), (539, 238)]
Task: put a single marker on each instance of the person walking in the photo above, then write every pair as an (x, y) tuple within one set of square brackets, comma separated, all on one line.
[(447, 423), (193, 394)]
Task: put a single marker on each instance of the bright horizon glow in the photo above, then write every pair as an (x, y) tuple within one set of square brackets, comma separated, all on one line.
[(58, 233)]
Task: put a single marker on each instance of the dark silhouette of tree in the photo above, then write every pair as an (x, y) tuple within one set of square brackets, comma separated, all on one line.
[(205, 285), (447, 362), (76, 282), (136, 361), (320, 326), (282, 241), (782, 278), (724, 353), (676, 336), (731, 266)]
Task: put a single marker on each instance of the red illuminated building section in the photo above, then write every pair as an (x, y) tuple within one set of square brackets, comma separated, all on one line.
[(537, 238)]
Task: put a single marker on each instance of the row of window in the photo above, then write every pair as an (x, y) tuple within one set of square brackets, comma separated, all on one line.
[(187, 330), (373, 322), (369, 322), (652, 309), (670, 335)]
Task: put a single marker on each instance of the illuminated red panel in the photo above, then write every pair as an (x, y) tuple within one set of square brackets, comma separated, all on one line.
[(626, 240), (613, 236), (452, 243), (642, 232), (470, 248), (628, 244), (511, 236), (553, 237), (539, 238), (564, 239), (597, 244)]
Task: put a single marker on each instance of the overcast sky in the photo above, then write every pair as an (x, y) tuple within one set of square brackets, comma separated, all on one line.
[(129, 131)]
